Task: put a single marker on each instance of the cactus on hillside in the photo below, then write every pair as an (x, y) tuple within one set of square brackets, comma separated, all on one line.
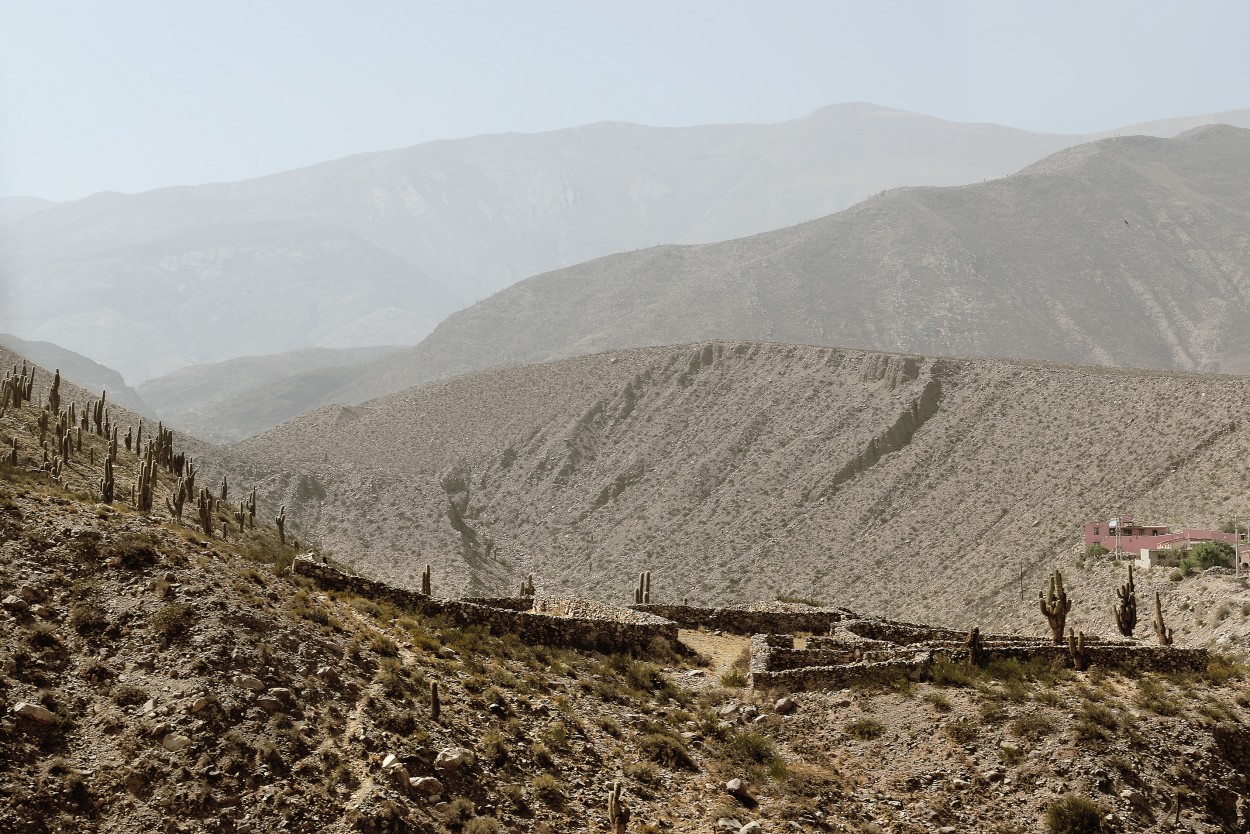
[(1126, 611), (54, 396), (976, 648), (206, 512), (106, 482), (1076, 648), (1162, 632), (282, 525), (179, 499), (425, 581), (642, 594), (436, 705), (1055, 606), (618, 812)]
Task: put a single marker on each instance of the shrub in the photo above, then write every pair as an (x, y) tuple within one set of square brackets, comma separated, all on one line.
[(665, 749), (1073, 815), (1221, 613), (482, 825), (547, 790), (1095, 551), (87, 617), (459, 811), (132, 551), (960, 731), (172, 621), (945, 673), (733, 679), (939, 701), (645, 773), (1032, 725), (1212, 554), (865, 728), (494, 748)]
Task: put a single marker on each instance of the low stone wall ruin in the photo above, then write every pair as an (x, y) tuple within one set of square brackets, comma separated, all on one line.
[(635, 633), (848, 658), (781, 620)]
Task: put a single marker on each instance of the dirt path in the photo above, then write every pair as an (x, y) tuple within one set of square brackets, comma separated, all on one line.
[(721, 650)]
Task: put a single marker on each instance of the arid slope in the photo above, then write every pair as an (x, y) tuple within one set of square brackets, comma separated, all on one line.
[(932, 489)]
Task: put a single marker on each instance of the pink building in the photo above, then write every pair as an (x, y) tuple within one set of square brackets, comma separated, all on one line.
[(1131, 537)]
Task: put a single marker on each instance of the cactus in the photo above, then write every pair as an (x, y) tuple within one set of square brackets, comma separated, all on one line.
[(976, 649), (206, 512), (282, 525), (618, 812), (130, 439), (225, 489), (179, 499), (527, 587), (1076, 648), (436, 706), (642, 594), (1126, 611), (240, 517), (54, 396), (425, 581), (106, 482), (1055, 607), (251, 509), (43, 426), (145, 483), (1161, 631), (12, 451)]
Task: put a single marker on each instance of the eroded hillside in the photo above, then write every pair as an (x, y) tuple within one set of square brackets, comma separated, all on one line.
[(935, 489)]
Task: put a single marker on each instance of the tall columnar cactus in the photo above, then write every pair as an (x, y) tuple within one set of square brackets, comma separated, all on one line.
[(139, 434), (97, 414), (282, 525), (618, 812), (426, 576), (179, 500), (1162, 632), (54, 396), (642, 594), (240, 517), (225, 489), (1055, 607), (43, 426), (106, 482), (130, 438), (206, 512), (436, 706), (1126, 611), (251, 509), (144, 484), (976, 648), (12, 455), (527, 587), (1076, 648)]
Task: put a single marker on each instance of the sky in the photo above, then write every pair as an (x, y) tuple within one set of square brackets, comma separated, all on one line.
[(127, 95)]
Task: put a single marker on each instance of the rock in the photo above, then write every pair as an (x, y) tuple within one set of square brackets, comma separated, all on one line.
[(282, 693), (14, 603), (41, 611), (727, 710), (738, 790), (728, 824), (389, 760), (148, 707), (427, 786), (696, 673), (750, 711), (199, 704), (270, 703), (173, 742), (751, 827), (249, 682), (34, 712), (785, 706), (32, 594), (453, 758)]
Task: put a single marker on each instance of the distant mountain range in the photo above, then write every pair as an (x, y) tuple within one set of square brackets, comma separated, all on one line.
[(378, 248), (1128, 251)]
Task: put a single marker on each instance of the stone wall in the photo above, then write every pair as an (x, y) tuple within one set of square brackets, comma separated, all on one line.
[(633, 634), (561, 606), (848, 658), (747, 620)]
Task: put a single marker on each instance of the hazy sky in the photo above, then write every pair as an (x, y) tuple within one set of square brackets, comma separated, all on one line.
[(125, 95)]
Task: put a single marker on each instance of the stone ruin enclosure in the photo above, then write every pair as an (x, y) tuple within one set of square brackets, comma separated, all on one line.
[(845, 648)]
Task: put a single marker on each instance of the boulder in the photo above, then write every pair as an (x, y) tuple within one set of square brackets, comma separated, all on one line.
[(738, 790), (249, 682), (173, 742), (427, 786), (453, 758), (785, 706), (34, 712)]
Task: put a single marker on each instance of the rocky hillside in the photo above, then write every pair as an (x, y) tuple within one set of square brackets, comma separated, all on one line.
[(918, 488), (1122, 252), (156, 680), (220, 270)]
